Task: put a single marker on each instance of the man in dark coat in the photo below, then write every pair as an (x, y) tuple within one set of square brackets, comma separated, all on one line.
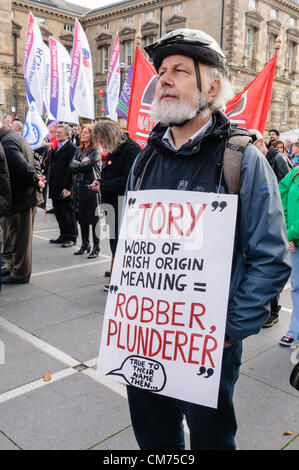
[(280, 167), (5, 191), (5, 197), (26, 185), (60, 187), (75, 139), (273, 136)]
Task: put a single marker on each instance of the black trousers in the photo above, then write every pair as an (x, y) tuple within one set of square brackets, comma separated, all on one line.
[(65, 215), (85, 234)]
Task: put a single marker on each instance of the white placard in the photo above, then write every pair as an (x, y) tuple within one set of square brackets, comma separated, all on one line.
[(166, 310)]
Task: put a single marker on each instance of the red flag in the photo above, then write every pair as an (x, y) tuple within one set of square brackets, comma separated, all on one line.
[(250, 107), (144, 81)]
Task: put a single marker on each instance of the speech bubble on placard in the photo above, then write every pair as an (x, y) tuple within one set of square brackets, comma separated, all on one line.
[(142, 372)]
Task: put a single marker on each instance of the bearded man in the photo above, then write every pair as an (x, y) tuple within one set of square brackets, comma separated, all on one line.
[(186, 153)]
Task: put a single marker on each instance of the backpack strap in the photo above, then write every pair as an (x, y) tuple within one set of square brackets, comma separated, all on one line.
[(141, 162), (232, 159)]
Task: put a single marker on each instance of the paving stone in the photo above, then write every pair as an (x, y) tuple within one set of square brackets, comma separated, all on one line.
[(263, 413), (39, 313), (80, 338), (71, 414), (23, 363)]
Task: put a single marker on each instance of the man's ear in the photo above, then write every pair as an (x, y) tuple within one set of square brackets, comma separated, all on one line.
[(214, 90)]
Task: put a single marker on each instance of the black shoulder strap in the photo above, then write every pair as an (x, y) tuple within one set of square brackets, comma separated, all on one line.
[(141, 162)]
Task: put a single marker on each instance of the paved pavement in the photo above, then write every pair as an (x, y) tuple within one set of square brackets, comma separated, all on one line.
[(54, 324)]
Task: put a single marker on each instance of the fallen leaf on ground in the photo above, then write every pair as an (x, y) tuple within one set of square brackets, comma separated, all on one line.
[(287, 432), (47, 377)]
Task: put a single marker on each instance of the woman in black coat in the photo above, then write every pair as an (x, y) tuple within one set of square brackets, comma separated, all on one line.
[(86, 166), (122, 151)]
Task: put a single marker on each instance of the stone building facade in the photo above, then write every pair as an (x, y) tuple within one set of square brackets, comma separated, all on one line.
[(246, 29)]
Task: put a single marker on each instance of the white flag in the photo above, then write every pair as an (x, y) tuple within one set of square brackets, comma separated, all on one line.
[(35, 129), (81, 82), (47, 81), (113, 82), (34, 64), (60, 73)]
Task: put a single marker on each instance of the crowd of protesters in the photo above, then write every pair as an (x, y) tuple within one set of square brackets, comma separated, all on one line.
[(82, 169)]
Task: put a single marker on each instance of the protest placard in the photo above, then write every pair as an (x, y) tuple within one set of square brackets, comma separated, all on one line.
[(166, 310)]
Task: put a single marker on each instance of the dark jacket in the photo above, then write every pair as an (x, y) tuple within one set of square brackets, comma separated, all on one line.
[(75, 139), (60, 176), (86, 201), (277, 162), (261, 259), (23, 170), (115, 171), (5, 191)]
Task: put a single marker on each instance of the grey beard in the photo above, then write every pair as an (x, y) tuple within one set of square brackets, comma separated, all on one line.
[(175, 113)]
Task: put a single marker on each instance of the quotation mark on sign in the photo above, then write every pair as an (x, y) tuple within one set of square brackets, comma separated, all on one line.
[(113, 289), (131, 203), (222, 205), (203, 370)]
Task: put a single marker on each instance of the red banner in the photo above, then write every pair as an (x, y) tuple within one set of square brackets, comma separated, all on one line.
[(250, 107), (144, 81)]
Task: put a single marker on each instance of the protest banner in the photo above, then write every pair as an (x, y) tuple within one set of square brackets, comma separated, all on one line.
[(60, 73), (250, 107), (124, 99), (34, 64), (144, 81), (113, 82), (47, 81), (165, 315), (35, 129), (81, 78)]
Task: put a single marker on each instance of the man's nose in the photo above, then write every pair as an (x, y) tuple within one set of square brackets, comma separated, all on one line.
[(166, 79)]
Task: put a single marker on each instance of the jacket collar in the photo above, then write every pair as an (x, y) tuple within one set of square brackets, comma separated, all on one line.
[(220, 128)]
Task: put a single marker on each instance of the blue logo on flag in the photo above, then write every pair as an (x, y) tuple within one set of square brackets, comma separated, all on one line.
[(86, 58)]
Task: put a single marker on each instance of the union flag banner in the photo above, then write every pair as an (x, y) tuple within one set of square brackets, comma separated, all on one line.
[(144, 81), (34, 64), (81, 75), (249, 108)]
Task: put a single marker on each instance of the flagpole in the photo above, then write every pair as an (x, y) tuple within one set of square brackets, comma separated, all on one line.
[(277, 46)]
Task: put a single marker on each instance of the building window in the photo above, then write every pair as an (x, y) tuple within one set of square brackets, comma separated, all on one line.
[(41, 21), (291, 56), (177, 8), (271, 48), (128, 54), (68, 27), (104, 27), (293, 21), (149, 40), (105, 59), (285, 111), (128, 21), (252, 3), (2, 93), (250, 42), (274, 13), (149, 15)]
